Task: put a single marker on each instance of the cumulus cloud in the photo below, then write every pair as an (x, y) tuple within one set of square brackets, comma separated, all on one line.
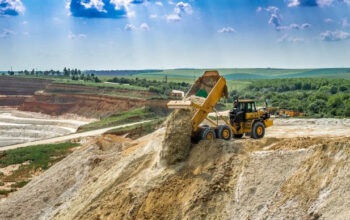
[(159, 3), (226, 30), (102, 8), (76, 36), (275, 16), (153, 16), (335, 36), (145, 27), (11, 7), (6, 33), (129, 27), (173, 17), (132, 27), (276, 20), (294, 27), (180, 10)]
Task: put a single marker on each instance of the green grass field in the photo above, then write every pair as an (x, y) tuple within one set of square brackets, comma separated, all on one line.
[(121, 118), (37, 158)]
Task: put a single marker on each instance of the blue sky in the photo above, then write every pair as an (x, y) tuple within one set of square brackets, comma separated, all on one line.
[(138, 34)]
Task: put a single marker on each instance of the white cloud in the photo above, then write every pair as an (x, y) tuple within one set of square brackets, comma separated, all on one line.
[(129, 27), (294, 27), (182, 7), (276, 20), (335, 36), (145, 27), (97, 4), (76, 36), (259, 9), (173, 17), (11, 7), (171, 3), (180, 10), (226, 30), (275, 16), (6, 33), (159, 3), (102, 8)]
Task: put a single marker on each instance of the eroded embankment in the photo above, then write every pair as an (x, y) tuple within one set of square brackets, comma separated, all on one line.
[(38, 95), (117, 178), (93, 106)]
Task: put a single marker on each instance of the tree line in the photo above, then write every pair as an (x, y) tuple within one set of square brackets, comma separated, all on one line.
[(74, 74), (313, 96)]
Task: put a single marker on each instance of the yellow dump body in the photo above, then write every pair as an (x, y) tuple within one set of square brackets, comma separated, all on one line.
[(212, 83)]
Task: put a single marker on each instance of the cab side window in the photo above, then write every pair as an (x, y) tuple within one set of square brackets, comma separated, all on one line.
[(241, 107), (249, 107), (253, 107)]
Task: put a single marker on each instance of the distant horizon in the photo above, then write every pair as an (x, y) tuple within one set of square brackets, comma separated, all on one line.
[(180, 68)]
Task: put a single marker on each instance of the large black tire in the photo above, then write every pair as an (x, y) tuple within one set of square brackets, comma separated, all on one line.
[(207, 134), (238, 135), (258, 130), (224, 132)]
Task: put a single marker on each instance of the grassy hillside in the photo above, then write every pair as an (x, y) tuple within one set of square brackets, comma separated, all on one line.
[(243, 74)]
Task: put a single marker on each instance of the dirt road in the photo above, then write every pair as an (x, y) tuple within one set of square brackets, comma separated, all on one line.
[(69, 137)]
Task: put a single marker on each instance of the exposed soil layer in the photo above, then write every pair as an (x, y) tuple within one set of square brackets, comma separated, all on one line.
[(12, 100), (117, 178), (92, 106), (37, 95), (21, 86)]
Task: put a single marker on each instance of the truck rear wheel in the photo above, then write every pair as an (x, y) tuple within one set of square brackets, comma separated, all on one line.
[(207, 134), (258, 130), (224, 132)]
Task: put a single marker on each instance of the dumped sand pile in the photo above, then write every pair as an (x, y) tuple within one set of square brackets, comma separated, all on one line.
[(118, 178), (177, 140)]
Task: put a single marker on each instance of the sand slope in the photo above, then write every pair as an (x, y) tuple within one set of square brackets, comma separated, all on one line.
[(117, 178)]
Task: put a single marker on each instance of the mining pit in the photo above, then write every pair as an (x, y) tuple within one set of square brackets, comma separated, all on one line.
[(20, 127)]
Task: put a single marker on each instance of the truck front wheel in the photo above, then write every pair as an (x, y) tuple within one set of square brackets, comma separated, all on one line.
[(258, 130)]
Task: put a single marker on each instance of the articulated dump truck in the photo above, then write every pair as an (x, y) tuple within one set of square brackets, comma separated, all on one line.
[(244, 118)]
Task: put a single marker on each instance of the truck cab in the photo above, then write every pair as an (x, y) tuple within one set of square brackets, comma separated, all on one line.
[(248, 120)]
